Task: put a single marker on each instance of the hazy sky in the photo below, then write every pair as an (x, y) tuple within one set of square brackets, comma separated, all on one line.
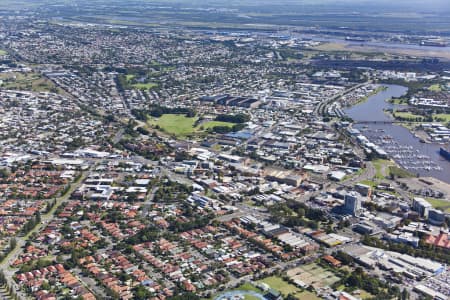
[(406, 6), (382, 5)]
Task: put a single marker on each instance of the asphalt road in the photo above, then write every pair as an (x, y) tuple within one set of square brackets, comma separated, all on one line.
[(321, 108)]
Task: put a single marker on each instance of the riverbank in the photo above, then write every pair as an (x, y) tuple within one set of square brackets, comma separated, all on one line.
[(373, 93), (398, 101), (410, 126), (414, 123)]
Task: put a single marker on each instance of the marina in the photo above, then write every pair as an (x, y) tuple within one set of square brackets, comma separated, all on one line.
[(406, 156), (406, 149)]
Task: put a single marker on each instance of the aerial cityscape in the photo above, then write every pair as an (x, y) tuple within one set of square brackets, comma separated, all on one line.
[(224, 150)]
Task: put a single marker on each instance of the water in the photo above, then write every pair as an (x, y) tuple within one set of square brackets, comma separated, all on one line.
[(378, 44), (399, 142)]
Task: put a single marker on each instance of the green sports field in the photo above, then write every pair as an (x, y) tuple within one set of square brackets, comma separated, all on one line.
[(178, 125)]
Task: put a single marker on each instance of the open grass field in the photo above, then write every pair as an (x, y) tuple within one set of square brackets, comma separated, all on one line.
[(145, 86), (330, 47), (250, 297), (128, 81), (248, 287), (444, 117), (398, 101), (365, 295), (3, 52), (440, 204), (382, 167), (277, 283), (413, 117), (435, 88), (370, 183), (399, 172), (306, 295), (178, 125), (130, 77), (181, 126), (408, 116), (212, 124), (28, 82)]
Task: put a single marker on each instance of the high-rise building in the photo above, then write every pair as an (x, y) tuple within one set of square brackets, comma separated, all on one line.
[(421, 206), (352, 203), (436, 217)]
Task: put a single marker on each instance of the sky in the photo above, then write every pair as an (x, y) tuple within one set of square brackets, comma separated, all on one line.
[(406, 6)]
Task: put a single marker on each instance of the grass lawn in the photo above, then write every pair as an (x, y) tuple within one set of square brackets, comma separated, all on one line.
[(3, 52), (217, 147), (399, 172), (306, 295), (399, 101), (179, 125), (248, 287), (145, 86), (130, 77), (28, 82), (370, 183), (440, 204), (445, 117), (408, 116), (212, 124), (412, 117), (277, 283), (381, 167), (330, 47), (435, 88), (250, 297), (365, 295)]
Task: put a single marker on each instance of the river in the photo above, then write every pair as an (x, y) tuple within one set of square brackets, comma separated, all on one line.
[(398, 141)]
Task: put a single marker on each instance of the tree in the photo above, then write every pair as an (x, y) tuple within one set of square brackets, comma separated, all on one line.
[(405, 295), (12, 243), (45, 286), (141, 293), (239, 118), (2, 278), (185, 296), (38, 217), (4, 173)]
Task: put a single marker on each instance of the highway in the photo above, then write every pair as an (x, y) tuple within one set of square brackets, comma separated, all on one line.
[(321, 108)]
